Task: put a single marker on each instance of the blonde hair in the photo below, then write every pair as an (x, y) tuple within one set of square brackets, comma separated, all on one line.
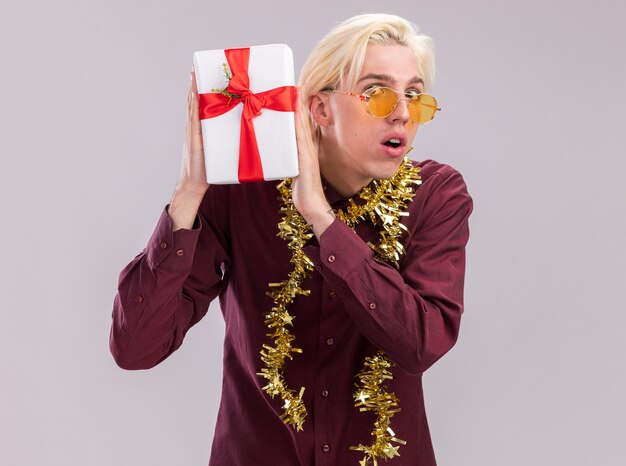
[(338, 58)]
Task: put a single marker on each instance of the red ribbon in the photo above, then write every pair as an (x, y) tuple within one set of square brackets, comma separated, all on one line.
[(212, 105)]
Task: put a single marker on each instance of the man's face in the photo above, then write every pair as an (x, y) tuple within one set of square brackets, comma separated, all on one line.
[(357, 146)]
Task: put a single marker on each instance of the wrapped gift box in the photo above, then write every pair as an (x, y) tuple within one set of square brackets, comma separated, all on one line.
[(248, 134)]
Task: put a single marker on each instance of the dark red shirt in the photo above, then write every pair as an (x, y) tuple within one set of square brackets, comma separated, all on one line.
[(357, 305)]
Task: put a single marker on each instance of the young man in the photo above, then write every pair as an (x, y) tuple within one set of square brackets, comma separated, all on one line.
[(367, 274)]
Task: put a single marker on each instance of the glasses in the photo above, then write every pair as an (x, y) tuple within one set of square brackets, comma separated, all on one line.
[(380, 102)]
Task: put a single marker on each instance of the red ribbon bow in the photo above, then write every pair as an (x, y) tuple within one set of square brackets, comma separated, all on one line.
[(212, 105)]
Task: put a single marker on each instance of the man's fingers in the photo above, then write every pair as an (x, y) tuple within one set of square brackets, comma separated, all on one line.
[(303, 134), (194, 119), (194, 84), (300, 139), (189, 97)]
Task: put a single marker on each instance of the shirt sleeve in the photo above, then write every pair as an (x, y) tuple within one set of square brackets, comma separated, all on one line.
[(168, 286), (413, 314)]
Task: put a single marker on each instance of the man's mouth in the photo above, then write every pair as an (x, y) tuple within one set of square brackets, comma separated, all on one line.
[(393, 142)]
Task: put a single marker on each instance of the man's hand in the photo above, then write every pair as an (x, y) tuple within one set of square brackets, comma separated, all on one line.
[(308, 192), (192, 182)]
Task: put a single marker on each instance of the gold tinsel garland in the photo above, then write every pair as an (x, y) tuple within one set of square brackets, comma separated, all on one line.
[(385, 203), (371, 396)]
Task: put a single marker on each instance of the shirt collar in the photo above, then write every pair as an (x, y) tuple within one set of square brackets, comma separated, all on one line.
[(336, 200), (332, 196)]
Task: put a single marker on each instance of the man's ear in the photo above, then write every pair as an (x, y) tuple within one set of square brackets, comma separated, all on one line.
[(319, 106)]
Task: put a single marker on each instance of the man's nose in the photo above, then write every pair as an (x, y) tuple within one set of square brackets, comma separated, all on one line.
[(401, 112)]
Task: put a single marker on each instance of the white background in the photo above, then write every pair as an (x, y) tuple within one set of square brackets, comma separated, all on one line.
[(91, 128)]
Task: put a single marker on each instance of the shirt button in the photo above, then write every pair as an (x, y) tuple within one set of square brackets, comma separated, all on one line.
[(326, 448), (319, 267), (331, 258), (372, 306), (332, 294), (180, 252), (324, 393), (330, 341), (163, 245), (139, 298)]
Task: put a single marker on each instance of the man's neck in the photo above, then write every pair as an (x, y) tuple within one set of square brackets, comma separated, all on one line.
[(341, 178)]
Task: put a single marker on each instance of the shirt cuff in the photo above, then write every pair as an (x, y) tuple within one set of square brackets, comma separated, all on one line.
[(172, 250), (340, 252)]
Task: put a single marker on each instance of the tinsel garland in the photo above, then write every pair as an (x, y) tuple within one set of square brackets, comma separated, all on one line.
[(385, 202), (296, 232), (371, 396)]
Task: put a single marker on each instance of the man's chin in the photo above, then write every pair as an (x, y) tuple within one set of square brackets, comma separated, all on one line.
[(388, 172)]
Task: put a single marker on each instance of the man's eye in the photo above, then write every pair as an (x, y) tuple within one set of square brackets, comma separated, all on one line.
[(412, 93), (369, 90)]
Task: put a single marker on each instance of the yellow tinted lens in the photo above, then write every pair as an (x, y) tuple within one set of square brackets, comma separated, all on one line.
[(422, 108), (382, 101)]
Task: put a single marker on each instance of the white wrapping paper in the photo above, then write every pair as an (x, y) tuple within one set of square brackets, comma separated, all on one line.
[(270, 66)]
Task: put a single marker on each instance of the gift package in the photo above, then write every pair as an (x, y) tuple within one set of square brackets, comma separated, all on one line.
[(247, 99)]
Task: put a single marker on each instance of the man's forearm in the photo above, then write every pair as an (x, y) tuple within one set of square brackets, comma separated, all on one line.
[(183, 209)]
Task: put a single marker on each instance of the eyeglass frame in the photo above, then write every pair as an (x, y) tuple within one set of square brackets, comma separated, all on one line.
[(365, 98)]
